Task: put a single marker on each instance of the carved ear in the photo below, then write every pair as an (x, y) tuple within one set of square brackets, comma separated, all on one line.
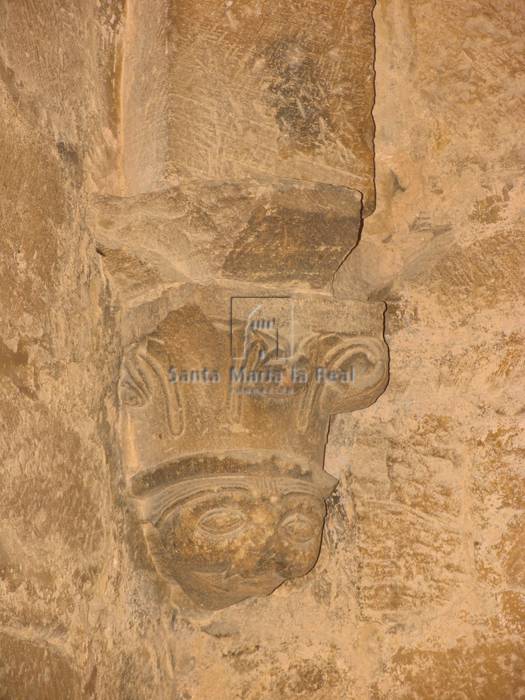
[(353, 375), (161, 558)]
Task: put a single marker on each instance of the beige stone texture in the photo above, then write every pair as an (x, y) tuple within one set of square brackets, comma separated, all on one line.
[(253, 88), (419, 590)]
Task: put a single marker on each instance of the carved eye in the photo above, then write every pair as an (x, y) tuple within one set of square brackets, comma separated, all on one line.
[(299, 528), (221, 521)]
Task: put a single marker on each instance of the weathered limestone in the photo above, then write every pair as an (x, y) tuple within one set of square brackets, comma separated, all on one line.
[(417, 589), (241, 212), (268, 233), (58, 352), (232, 414), (225, 91), (233, 388)]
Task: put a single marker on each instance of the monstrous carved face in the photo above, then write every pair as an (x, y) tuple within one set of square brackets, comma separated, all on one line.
[(229, 538)]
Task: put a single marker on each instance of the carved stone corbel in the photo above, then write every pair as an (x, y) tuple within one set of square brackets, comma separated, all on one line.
[(246, 185), (225, 404)]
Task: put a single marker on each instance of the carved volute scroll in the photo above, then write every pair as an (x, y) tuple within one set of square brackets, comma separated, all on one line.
[(239, 210)]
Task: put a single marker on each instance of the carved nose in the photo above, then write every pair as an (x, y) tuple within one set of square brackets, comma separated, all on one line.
[(269, 558), (262, 553)]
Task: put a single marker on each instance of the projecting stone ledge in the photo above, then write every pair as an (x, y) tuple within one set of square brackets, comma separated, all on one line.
[(284, 232)]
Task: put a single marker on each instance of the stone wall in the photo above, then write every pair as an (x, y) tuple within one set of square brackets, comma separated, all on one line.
[(419, 589)]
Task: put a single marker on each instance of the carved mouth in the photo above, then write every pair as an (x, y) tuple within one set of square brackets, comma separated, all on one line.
[(221, 582)]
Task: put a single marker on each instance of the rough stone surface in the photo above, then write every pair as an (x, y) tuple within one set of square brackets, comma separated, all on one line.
[(282, 234), (229, 90), (419, 589)]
